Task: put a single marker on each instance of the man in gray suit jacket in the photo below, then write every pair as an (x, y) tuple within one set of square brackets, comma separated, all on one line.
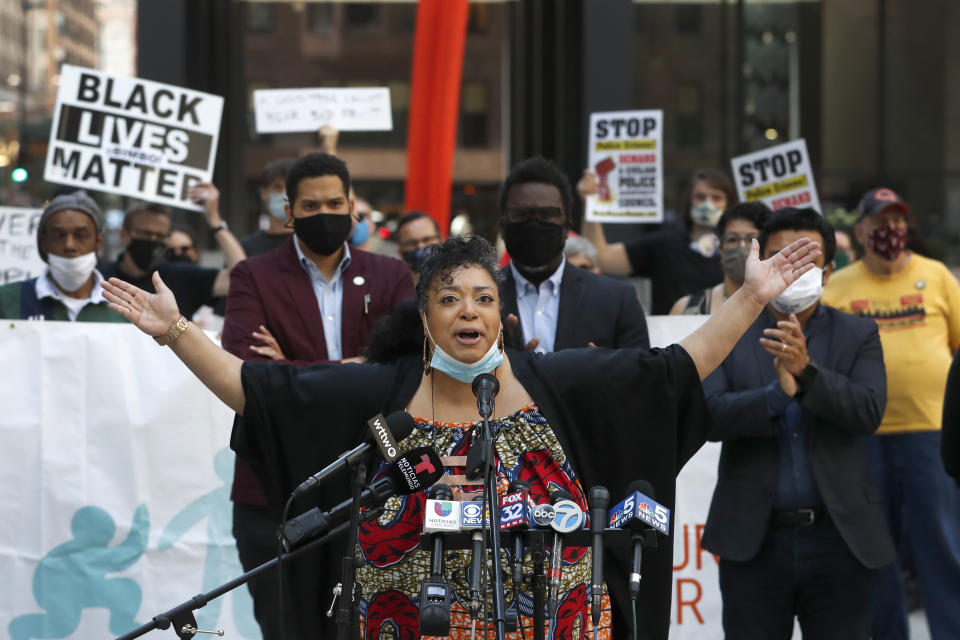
[(548, 304), (795, 518)]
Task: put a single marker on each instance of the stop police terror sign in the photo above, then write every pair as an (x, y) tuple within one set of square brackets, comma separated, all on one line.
[(620, 127), (776, 166)]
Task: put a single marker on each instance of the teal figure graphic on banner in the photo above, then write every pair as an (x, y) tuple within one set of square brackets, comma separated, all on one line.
[(73, 577), (222, 562)]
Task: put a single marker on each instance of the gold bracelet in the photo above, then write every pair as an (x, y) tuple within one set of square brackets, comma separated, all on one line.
[(175, 331)]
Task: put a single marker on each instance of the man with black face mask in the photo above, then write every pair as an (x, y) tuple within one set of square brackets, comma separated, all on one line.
[(146, 229), (550, 305), (415, 232), (312, 299)]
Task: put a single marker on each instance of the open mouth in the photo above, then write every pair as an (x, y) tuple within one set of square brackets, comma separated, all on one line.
[(468, 336)]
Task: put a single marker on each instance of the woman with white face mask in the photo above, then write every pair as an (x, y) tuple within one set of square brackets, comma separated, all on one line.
[(69, 235), (678, 261), (737, 228), (568, 420)]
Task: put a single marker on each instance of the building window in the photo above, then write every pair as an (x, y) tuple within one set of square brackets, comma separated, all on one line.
[(688, 19), (473, 115), (261, 17), (403, 18), (361, 17), (479, 19), (320, 18)]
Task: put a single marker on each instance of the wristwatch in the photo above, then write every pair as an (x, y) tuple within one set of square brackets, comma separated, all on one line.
[(806, 377), (220, 227)]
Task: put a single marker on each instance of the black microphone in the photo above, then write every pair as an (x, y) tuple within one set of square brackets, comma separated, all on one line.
[(643, 536), (399, 425), (599, 500), (412, 472), (555, 572), (439, 491), (517, 486), (436, 594), (485, 387), (476, 568)]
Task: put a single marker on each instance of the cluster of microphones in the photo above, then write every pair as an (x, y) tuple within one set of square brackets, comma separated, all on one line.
[(637, 513), (419, 469)]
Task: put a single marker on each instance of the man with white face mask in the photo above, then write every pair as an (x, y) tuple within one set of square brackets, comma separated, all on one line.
[(69, 235), (915, 302), (795, 517)]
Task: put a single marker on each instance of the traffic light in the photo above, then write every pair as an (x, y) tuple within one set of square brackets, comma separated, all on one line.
[(19, 175)]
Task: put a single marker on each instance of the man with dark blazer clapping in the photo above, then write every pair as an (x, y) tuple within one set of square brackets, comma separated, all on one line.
[(548, 304), (795, 518)]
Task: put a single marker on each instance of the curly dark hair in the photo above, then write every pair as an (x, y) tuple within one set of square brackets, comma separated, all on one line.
[(400, 333), (315, 165)]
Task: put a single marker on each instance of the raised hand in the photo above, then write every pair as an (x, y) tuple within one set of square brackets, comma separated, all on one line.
[(766, 279), (152, 313)]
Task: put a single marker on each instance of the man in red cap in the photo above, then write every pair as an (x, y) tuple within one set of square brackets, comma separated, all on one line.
[(915, 302)]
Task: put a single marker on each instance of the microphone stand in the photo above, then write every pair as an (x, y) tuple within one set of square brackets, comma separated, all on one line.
[(346, 618), (538, 553), (181, 616), (487, 462)]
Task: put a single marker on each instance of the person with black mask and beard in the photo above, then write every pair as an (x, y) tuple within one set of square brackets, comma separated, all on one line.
[(313, 299), (145, 231), (548, 304), (737, 228)]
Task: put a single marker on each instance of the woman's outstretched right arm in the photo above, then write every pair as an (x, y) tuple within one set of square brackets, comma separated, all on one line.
[(156, 313)]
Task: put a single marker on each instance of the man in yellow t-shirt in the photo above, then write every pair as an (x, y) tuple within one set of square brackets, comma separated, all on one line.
[(915, 302)]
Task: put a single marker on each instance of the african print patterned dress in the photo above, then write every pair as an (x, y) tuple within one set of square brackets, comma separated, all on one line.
[(394, 566)]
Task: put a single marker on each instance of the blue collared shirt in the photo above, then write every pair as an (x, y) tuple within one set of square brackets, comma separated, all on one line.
[(796, 484), (539, 308), (329, 298)]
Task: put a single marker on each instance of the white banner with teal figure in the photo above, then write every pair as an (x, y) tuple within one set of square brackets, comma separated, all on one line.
[(115, 477)]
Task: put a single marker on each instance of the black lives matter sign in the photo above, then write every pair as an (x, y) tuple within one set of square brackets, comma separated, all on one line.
[(132, 137)]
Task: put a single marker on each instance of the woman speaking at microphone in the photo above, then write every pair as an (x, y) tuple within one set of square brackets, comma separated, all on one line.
[(567, 420)]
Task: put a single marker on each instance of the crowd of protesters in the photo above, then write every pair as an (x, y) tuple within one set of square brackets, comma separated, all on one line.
[(830, 409)]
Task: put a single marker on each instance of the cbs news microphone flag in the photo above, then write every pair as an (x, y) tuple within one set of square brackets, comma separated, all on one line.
[(113, 456)]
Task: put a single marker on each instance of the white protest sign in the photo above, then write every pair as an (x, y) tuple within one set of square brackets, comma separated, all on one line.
[(626, 153), (132, 137), (19, 259), (778, 176), (291, 110)]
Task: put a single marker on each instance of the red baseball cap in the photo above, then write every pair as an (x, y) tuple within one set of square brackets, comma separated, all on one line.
[(881, 199)]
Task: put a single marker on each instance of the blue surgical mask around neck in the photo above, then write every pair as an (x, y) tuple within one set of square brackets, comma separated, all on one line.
[(462, 371)]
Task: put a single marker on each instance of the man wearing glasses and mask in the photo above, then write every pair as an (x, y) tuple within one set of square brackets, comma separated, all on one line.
[(145, 233), (548, 304)]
